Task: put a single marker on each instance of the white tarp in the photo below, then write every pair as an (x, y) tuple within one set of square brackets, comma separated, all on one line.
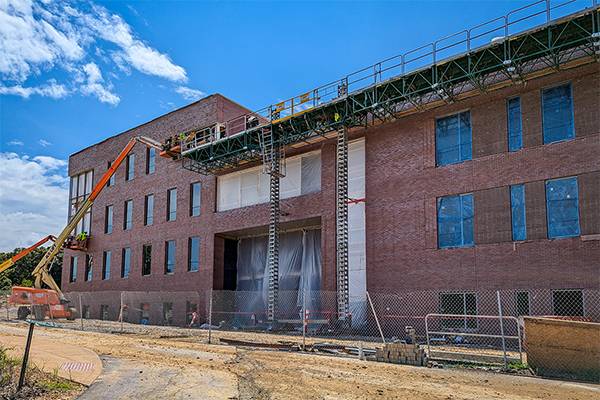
[(251, 186)]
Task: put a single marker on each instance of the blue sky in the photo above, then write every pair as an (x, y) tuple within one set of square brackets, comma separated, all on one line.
[(74, 73)]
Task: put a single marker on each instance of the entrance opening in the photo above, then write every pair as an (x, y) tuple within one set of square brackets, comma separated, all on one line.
[(230, 257)]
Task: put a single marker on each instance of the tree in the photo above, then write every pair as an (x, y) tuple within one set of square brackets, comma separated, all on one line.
[(20, 273)]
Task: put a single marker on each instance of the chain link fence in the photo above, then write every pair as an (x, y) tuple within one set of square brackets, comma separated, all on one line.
[(481, 327)]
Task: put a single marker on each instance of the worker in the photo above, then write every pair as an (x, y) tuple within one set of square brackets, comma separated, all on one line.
[(194, 320)]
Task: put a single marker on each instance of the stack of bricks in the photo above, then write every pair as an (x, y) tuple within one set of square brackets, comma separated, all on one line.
[(402, 353)]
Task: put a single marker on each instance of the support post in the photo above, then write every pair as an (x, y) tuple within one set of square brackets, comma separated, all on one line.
[(25, 356), (502, 329), (122, 311), (80, 310), (376, 319), (210, 305), (341, 175), (304, 320)]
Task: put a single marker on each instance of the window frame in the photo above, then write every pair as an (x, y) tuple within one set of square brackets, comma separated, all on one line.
[(171, 214), (583, 307), (150, 160), (192, 197), (554, 86), (465, 325), (167, 270), (130, 167), (127, 223), (546, 183), (108, 227), (458, 115), (508, 124), (106, 267), (148, 216), (190, 247), (88, 273), (125, 272), (73, 269), (146, 251), (517, 311), (76, 199), (462, 219), (512, 212), (111, 180)]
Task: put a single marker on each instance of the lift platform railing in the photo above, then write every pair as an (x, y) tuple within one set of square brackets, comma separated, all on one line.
[(495, 32)]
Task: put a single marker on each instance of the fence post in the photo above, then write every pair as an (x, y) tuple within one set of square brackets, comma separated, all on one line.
[(25, 356), (502, 329), (80, 310), (210, 300), (376, 319), (7, 309), (121, 310), (304, 321)]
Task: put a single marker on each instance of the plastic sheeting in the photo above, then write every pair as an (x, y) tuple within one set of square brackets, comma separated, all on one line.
[(299, 270)]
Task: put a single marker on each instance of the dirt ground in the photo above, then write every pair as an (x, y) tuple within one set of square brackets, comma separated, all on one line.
[(248, 373)]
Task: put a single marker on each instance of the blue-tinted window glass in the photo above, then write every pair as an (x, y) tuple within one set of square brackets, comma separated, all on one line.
[(106, 265), (169, 257), (455, 221), (562, 206), (126, 262), (194, 254), (557, 111), (453, 141), (515, 129), (517, 208)]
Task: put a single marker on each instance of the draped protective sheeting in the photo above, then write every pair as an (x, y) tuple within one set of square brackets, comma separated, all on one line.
[(299, 270)]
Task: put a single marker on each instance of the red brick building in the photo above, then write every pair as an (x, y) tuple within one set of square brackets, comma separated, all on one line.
[(500, 190)]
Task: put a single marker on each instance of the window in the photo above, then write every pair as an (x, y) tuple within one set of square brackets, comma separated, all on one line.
[(81, 187), (150, 160), (108, 219), (149, 210), (195, 199), (169, 256), (453, 139), (106, 265), (88, 268), (517, 210), (85, 312), (459, 304), (111, 180), (128, 215), (567, 303), (125, 262), (189, 309), (562, 206), (557, 114), (522, 303), (167, 313), (146, 259), (193, 253), (73, 269), (130, 167), (171, 204), (104, 312), (455, 221), (515, 128)]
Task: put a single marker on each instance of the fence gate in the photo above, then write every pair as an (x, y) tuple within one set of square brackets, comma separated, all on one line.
[(489, 339)]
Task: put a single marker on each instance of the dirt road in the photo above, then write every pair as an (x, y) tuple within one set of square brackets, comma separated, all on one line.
[(183, 369)]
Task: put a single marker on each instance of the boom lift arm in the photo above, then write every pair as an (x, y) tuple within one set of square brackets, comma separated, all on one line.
[(11, 261), (41, 272)]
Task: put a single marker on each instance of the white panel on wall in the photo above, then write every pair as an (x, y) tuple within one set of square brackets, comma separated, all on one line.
[(251, 186)]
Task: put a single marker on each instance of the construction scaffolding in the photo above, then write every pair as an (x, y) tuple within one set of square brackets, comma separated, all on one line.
[(531, 41)]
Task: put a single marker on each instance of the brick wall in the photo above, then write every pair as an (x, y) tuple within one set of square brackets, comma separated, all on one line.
[(402, 185)]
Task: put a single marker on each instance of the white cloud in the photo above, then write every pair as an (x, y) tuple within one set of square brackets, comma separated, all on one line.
[(41, 35), (33, 198), (43, 143), (15, 142), (189, 93), (52, 89), (94, 85)]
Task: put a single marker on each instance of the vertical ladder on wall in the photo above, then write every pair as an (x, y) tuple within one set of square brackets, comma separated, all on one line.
[(341, 177), (273, 156)]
